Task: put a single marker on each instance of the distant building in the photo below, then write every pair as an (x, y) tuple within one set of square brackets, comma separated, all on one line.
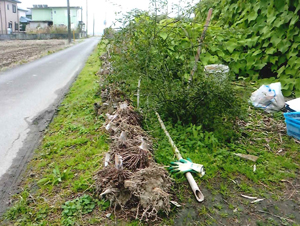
[(22, 12), (9, 19), (23, 20), (44, 15), (29, 14)]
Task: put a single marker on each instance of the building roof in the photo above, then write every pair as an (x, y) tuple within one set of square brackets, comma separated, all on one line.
[(28, 13), (40, 21), (24, 20), (13, 1), (51, 7), (24, 10)]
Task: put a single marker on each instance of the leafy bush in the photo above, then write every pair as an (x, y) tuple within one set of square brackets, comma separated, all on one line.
[(161, 52), (109, 33), (258, 39)]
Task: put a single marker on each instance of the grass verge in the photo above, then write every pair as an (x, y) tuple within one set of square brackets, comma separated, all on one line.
[(57, 188)]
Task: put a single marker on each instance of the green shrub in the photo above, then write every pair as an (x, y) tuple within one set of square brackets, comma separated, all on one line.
[(161, 52)]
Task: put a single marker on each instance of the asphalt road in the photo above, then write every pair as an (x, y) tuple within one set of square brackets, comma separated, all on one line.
[(29, 96)]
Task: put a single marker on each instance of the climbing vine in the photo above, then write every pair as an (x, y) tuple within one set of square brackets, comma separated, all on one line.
[(258, 39)]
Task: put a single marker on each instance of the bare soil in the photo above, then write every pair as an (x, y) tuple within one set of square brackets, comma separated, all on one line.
[(276, 208), (22, 51)]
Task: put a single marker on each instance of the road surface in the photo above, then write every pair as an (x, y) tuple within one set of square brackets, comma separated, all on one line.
[(29, 96)]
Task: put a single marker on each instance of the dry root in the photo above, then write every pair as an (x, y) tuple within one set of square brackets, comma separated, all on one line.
[(106, 68), (150, 186), (140, 187)]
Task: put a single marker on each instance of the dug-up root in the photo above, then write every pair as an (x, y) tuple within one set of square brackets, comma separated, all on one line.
[(130, 180), (141, 194)]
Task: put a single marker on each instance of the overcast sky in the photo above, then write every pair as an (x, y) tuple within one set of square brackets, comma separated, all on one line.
[(101, 9)]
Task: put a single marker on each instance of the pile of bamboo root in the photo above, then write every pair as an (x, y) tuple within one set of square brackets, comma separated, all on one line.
[(130, 180)]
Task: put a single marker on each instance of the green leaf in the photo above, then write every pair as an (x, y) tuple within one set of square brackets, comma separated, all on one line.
[(290, 71), (284, 45), (276, 39), (236, 56), (235, 67), (271, 50), (266, 44), (270, 19), (163, 35), (259, 66), (292, 53), (171, 48), (279, 4), (251, 41), (273, 59), (297, 84), (205, 58), (265, 30), (282, 59), (263, 4), (294, 62), (250, 62), (287, 85), (294, 19), (230, 46), (278, 22), (256, 52), (43, 181), (279, 72), (287, 93), (252, 16), (287, 16), (221, 54)]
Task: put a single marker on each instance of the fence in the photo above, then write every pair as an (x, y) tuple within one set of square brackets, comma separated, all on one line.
[(23, 36)]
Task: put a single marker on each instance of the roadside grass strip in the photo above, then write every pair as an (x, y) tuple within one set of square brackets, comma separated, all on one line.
[(57, 186)]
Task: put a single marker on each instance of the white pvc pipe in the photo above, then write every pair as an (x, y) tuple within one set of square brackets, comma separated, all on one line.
[(197, 192)]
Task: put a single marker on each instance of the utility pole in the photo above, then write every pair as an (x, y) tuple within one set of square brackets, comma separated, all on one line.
[(81, 22), (1, 22), (69, 22), (87, 18), (94, 24)]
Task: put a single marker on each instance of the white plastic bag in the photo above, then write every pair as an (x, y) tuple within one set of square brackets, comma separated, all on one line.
[(268, 97)]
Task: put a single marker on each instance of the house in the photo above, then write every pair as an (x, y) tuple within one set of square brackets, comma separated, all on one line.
[(9, 19), (22, 12), (28, 14), (44, 16), (23, 20)]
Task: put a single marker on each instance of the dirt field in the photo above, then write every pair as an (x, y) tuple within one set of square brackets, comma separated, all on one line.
[(22, 51)]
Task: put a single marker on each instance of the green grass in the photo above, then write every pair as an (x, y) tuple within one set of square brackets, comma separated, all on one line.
[(63, 167), (228, 176), (259, 136)]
